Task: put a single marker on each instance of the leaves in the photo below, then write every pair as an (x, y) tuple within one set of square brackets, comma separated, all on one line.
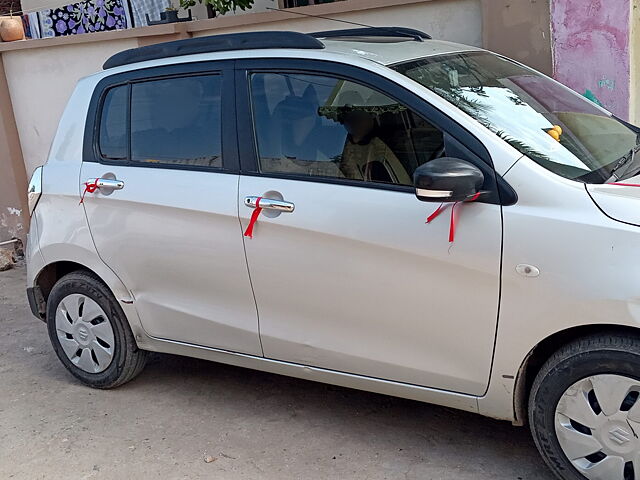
[(523, 148), (220, 7)]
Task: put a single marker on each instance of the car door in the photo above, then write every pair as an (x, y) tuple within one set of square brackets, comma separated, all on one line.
[(171, 233), (347, 274)]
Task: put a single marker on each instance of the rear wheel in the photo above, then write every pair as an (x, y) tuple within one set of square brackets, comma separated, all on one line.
[(90, 334), (584, 409)]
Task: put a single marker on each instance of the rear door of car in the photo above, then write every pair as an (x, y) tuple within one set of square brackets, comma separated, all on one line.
[(347, 275), (171, 233)]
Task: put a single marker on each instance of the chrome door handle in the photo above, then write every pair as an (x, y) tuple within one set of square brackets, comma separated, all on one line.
[(112, 184), (270, 204)]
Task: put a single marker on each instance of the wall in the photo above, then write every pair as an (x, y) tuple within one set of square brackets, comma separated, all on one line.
[(40, 82), (455, 20), (591, 50), (519, 29), (14, 213)]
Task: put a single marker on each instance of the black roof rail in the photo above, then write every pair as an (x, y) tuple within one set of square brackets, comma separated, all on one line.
[(375, 32), (215, 43)]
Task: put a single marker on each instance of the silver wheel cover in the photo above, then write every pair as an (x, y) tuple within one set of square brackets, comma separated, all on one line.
[(85, 333), (597, 423)]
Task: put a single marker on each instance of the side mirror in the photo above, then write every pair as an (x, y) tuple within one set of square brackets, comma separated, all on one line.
[(447, 179)]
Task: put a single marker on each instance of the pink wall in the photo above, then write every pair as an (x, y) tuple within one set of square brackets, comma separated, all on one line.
[(591, 49)]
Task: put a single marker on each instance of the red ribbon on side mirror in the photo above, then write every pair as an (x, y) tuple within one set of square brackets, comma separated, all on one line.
[(452, 222)]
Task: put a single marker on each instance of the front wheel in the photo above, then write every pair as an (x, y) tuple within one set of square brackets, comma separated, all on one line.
[(90, 334), (584, 409)]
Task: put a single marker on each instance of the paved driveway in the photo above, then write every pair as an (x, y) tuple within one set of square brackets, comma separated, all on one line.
[(252, 425)]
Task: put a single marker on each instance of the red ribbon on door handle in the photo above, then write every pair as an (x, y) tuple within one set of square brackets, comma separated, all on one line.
[(452, 221), (89, 187), (254, 218)]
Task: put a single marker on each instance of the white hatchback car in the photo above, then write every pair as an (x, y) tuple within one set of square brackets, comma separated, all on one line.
[(258, 199)]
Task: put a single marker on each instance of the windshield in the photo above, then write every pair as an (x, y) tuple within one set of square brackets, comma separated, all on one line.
[(544, 120)]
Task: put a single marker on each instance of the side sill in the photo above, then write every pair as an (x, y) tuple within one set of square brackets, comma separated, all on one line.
[(459, 401)]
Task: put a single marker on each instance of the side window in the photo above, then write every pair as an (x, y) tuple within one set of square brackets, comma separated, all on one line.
[(322, 126), (112, 143), (177, 121)]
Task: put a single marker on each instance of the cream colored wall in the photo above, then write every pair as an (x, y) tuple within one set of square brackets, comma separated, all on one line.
[(14, 216), (455, 20), (37, 5), (520, 30), (40, 81)]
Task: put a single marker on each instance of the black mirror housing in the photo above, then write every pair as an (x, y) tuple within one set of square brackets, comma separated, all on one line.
[(447, 179)]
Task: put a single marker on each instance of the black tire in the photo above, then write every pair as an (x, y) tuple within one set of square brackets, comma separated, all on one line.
[(128, 360), (599, 354)]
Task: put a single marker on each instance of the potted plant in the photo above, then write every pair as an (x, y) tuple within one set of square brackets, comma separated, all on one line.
[(170, 15), (11, 28)]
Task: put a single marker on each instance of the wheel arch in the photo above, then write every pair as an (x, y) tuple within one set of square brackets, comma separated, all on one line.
[(49, 274), (52, 272), (539, 354)]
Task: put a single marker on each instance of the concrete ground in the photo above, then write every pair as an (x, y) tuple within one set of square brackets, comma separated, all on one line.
[(252, 425)]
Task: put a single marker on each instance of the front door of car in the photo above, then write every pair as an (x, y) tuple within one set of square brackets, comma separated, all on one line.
[(171, 233), (347, 275)]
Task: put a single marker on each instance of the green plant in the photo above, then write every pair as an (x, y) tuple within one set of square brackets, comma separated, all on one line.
[(220, 7)]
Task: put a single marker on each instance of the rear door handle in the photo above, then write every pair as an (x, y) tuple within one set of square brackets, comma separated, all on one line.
[(110, 183), (270, 204)]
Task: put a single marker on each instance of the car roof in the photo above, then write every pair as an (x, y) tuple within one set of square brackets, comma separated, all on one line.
[(389, 51), (384, 45)]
